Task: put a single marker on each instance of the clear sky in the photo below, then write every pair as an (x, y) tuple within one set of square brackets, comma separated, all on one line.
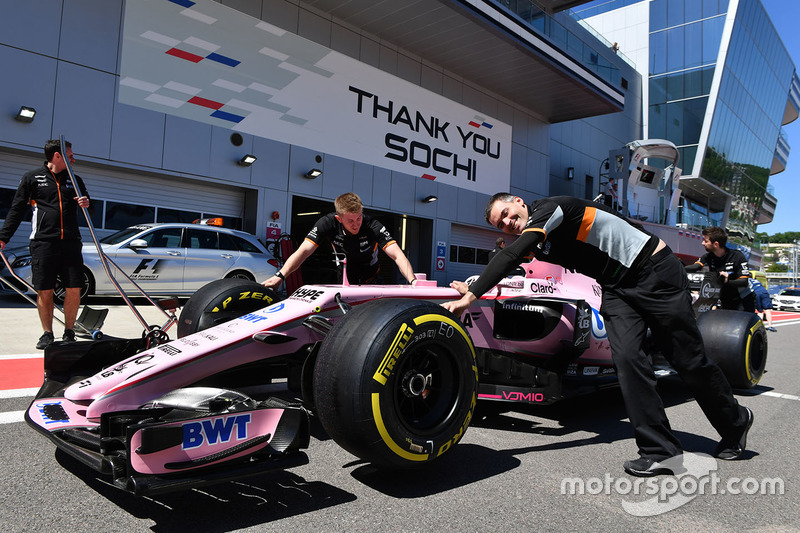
[(785, 15)]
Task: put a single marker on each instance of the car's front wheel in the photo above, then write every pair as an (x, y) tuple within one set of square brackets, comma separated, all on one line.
[(395, 382)]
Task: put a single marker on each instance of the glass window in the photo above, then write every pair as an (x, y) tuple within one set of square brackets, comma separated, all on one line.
[(675, 122), (165, 214), (466, 254), (694, 110), (658, 52), (95, 214), (693, 83), (675, 49), (688, 153), (244, 245), (200, 239), (482, 256), (675, 12), (658, 90), (675, 87), (658, 15), (712, 36), (710, 8), (693, 45), (163, 238), (708, 77), (226, 242), (120, 215), (694, 10), (658, 121)]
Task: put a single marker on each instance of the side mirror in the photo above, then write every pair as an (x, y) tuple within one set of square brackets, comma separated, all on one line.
[(137, 243)]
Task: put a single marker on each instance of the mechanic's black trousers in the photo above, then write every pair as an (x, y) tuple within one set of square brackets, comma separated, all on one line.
[(657, 296)]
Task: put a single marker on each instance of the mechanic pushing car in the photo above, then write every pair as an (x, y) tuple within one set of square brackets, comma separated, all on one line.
[(354, 234), (55, 238), (731, 265), (644, 285)]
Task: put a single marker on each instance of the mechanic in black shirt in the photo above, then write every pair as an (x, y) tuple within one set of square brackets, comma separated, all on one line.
[(732, 267), (55, 238), (644, 285), (356, 235)]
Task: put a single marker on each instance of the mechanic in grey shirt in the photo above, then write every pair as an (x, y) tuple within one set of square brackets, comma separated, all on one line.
[(644, 285)]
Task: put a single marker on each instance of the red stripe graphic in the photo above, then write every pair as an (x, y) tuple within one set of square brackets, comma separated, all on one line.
[(194, 58), (429, 177), (211, 104)]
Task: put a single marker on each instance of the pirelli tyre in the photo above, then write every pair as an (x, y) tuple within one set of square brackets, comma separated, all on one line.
[(737, 342), (223, 300), (395, 382)]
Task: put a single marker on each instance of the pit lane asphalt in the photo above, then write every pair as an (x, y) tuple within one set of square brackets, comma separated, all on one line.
[(505, 475)]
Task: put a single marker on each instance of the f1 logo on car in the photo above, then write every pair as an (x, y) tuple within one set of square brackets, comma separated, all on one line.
[(145, 265)]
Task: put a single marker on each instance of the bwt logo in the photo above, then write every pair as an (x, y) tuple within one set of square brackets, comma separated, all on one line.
[(215, 431)]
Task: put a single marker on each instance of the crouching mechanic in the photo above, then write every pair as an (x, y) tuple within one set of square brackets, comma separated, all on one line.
[(644, 285), (55, 238), (356, 235)]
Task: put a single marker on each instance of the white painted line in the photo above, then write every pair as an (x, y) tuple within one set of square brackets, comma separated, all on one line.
[(22, 356), (780, 395), (11, 417), (18, 393)]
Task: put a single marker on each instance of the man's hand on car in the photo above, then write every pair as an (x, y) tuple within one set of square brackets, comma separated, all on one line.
[(459, 306), (460, 286)]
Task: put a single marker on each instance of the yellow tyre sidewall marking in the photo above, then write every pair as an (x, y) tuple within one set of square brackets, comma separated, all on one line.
[(376, 396)]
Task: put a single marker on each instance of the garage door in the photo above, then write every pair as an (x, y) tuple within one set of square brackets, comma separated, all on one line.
[(118, 189), (469, 249)]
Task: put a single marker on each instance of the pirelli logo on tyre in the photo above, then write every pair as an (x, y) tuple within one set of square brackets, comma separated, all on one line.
[(396, 348)]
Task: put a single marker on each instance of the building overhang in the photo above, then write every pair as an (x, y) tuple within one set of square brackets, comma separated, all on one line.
[(706, 193), (487, 45)]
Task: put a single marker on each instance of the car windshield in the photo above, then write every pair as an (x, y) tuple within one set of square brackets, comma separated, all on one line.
[(790, 292), (121, 235)]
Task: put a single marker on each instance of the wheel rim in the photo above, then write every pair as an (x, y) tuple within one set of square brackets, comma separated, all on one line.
[(428, 388), (756, 357)]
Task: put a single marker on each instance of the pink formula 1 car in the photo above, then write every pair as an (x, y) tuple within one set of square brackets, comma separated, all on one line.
[(391, 375)]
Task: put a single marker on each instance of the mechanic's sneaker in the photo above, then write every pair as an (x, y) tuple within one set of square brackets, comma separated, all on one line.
[(45, 340), (733, 449), (646, 467), (770, 328), (69, 336)]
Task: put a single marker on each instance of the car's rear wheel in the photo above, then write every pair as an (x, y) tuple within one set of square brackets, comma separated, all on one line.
[(223, 300), (395, 382), (737, 342), (59, 292), (240, 274)]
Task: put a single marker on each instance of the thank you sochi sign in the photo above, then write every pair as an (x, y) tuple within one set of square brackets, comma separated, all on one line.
[(206, 62)]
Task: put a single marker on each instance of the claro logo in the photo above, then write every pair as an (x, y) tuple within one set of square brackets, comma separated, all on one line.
[(541, 288)]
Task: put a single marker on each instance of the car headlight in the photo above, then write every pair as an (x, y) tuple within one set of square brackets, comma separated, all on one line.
[(21, 262)]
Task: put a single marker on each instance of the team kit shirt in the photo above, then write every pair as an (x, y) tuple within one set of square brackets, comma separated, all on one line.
[(55, 213), (735, 264), (360, 249), (577, 234)]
